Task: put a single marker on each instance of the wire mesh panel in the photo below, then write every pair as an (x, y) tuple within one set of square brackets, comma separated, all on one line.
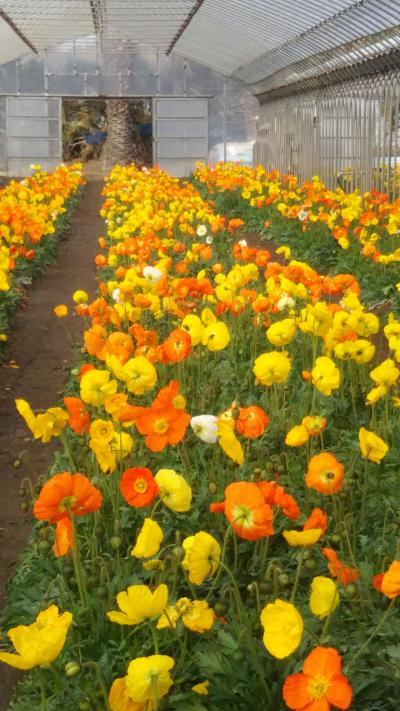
[(33, 133), (180, 134), (348, 134)]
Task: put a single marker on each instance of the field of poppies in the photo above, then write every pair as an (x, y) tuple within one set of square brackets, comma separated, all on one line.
[(220, 528), (34, 213)]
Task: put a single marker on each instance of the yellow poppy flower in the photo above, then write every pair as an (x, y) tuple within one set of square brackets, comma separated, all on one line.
[(283, 628), (282, 332), (372, 447), (201, 688), (196, 615), (96, 386), (138, 373), (325, 375), (273, 367), (202, 556), (40, 643), (324, 597), (215, 336), (174, 490), (139, 603), (149, 539), (302, 538), (149, 676), (297, 436)]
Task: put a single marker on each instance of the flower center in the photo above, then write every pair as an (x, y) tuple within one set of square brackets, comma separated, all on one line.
[(67, 503), (328, 475), (179, 402), (140, 486), (160, 426), (243, 515), (318, 687)]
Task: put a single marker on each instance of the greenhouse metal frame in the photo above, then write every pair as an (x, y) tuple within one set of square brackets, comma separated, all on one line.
[(315, 91)]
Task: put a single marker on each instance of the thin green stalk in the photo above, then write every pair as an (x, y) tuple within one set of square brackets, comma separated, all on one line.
[(298, 572), (42, 690), (374, 633)]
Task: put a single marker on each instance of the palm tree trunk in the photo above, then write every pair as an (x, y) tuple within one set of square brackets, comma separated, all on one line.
[(123, 144)]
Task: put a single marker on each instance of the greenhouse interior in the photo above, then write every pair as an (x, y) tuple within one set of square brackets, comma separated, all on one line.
[(199, 355)]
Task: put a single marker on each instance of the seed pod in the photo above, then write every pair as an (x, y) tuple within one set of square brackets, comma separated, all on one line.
[(212, 487), (25, 507), (17, 463)]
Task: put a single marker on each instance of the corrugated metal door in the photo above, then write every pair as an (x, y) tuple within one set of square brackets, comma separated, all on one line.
[(33, 133), (180, 134)]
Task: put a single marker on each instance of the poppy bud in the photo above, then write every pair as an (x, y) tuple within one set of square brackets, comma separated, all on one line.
[(72, 669)]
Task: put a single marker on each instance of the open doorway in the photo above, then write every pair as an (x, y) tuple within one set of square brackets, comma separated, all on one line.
[(101, 133)]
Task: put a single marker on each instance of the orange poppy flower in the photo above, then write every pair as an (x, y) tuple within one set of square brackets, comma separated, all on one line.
[(276, 495), (252, 421), (245, 508), (325, 474), (314, 424), (120, 344), (321, 686), (62, 537), (66, 494), (317, 519), (390, 584), (377, 581), (79, 418), (161, 425), (177, 346), (344, 574), (169, 396), (96, 341), (138, 487)]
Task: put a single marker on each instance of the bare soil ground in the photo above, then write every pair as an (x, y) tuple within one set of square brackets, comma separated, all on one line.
[(41, 350)]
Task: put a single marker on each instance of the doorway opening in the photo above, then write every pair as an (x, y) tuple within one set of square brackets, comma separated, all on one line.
[(102, 133)]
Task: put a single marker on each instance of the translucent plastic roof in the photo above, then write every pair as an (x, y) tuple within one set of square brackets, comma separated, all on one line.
[(263, 43)]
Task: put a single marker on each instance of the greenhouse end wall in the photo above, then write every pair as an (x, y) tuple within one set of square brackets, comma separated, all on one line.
[(83, 73), (348, 134)]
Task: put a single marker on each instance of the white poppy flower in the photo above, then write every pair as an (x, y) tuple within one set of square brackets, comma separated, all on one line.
[(152, 274), (116, 296), (243, 243), (201, 230), (285, 302), (205, 428), (209, 239), (303, 214)]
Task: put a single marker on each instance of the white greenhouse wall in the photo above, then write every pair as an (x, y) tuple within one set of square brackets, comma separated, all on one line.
[(81, 72)]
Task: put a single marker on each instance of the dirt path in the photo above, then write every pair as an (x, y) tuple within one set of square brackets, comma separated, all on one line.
[(40, 348)]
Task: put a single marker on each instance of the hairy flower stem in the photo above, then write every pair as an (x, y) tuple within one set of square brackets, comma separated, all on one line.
[(298, 572), (78, 565), (101, 682), (218, 575), (249, 637), (42, 690), (371, 637)]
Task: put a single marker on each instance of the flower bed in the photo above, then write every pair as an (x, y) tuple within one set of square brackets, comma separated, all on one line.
[(34, 213), (334, 231), (220, 525)]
